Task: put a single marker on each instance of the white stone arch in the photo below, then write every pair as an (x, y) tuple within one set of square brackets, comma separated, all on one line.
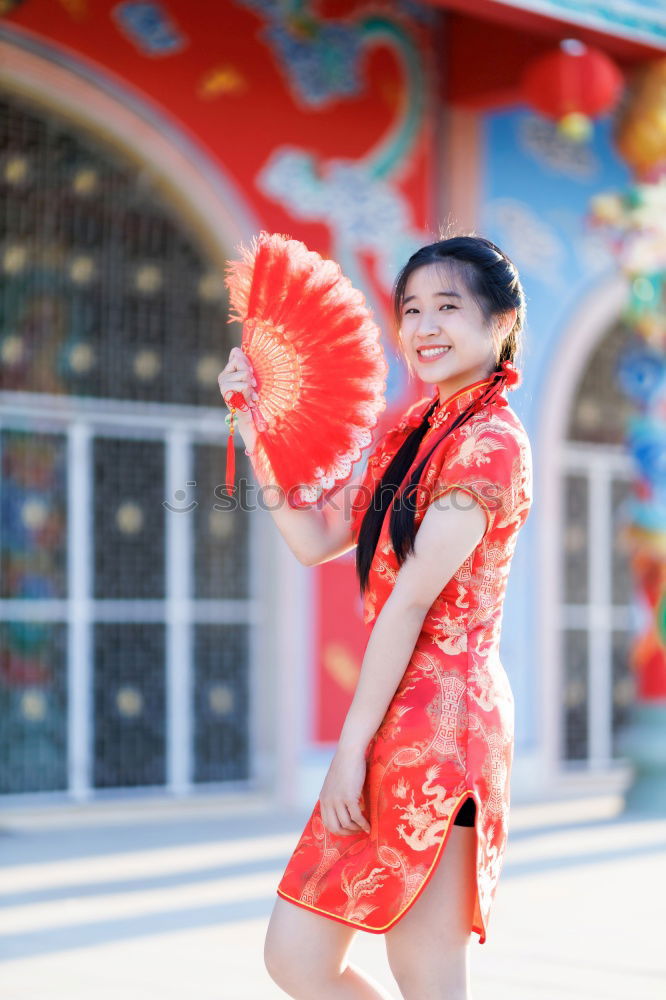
[(595, 313), (216, 210)]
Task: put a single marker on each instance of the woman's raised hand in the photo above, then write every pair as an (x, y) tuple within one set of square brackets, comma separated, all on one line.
[(237, 376)]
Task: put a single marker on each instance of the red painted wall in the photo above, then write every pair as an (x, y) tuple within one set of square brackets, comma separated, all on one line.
[(248, 78)]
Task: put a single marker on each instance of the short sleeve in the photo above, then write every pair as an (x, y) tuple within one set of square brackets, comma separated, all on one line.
[(488, 460)]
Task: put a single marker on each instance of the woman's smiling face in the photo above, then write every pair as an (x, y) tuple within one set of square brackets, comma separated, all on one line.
[(439, 311)]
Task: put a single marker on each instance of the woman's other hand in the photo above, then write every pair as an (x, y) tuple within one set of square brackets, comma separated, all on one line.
[(341, 792)]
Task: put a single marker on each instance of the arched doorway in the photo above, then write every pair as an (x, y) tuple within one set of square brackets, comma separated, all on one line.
[(126, 616), (596, 602), (581, 475)]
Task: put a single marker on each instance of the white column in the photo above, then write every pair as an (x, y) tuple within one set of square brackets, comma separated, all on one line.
[(79, 589), (293, 607), (599, 636), (179, 527)]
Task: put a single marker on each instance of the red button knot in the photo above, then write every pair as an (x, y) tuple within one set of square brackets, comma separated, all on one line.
[(511, 374)]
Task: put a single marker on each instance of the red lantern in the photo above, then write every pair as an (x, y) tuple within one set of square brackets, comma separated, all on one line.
[(572, 84)]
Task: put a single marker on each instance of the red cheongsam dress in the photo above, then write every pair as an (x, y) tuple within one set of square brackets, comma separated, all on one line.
[(448, 732)]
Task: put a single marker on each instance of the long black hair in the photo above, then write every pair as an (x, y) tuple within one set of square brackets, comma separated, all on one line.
[(492, 280)]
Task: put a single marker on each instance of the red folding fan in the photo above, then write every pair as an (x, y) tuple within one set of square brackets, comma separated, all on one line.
[(318, 361)]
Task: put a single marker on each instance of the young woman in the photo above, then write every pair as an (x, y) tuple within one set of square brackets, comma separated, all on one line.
[(425, 753)]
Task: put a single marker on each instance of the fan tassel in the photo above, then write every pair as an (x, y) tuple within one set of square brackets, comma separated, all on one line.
[(231, 455)]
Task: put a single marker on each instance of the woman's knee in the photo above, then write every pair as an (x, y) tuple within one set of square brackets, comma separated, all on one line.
[(283, 958), (302, 949), (298, 974), (274, 957)]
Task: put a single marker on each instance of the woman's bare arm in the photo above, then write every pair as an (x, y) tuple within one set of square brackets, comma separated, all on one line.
[(316, 536), (446, 536)]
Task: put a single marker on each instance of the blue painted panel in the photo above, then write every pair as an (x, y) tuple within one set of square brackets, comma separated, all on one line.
[(534, 202)]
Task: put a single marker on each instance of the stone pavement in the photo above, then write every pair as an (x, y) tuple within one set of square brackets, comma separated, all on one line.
[(157, 899)]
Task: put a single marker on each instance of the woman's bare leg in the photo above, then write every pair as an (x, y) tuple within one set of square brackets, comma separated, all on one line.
[(305, 954), (428, 949)]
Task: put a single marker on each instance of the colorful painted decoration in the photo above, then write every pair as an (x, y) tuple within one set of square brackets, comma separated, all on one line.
[(572, 84), (641, 374), (149, 27), (635, 222), (648, 659), (640, 133)]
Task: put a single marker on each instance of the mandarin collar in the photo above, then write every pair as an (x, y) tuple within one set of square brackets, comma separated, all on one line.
[(446, 411), (485, 391)]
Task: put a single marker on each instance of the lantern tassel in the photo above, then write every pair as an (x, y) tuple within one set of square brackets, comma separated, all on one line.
[(231, 456)]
